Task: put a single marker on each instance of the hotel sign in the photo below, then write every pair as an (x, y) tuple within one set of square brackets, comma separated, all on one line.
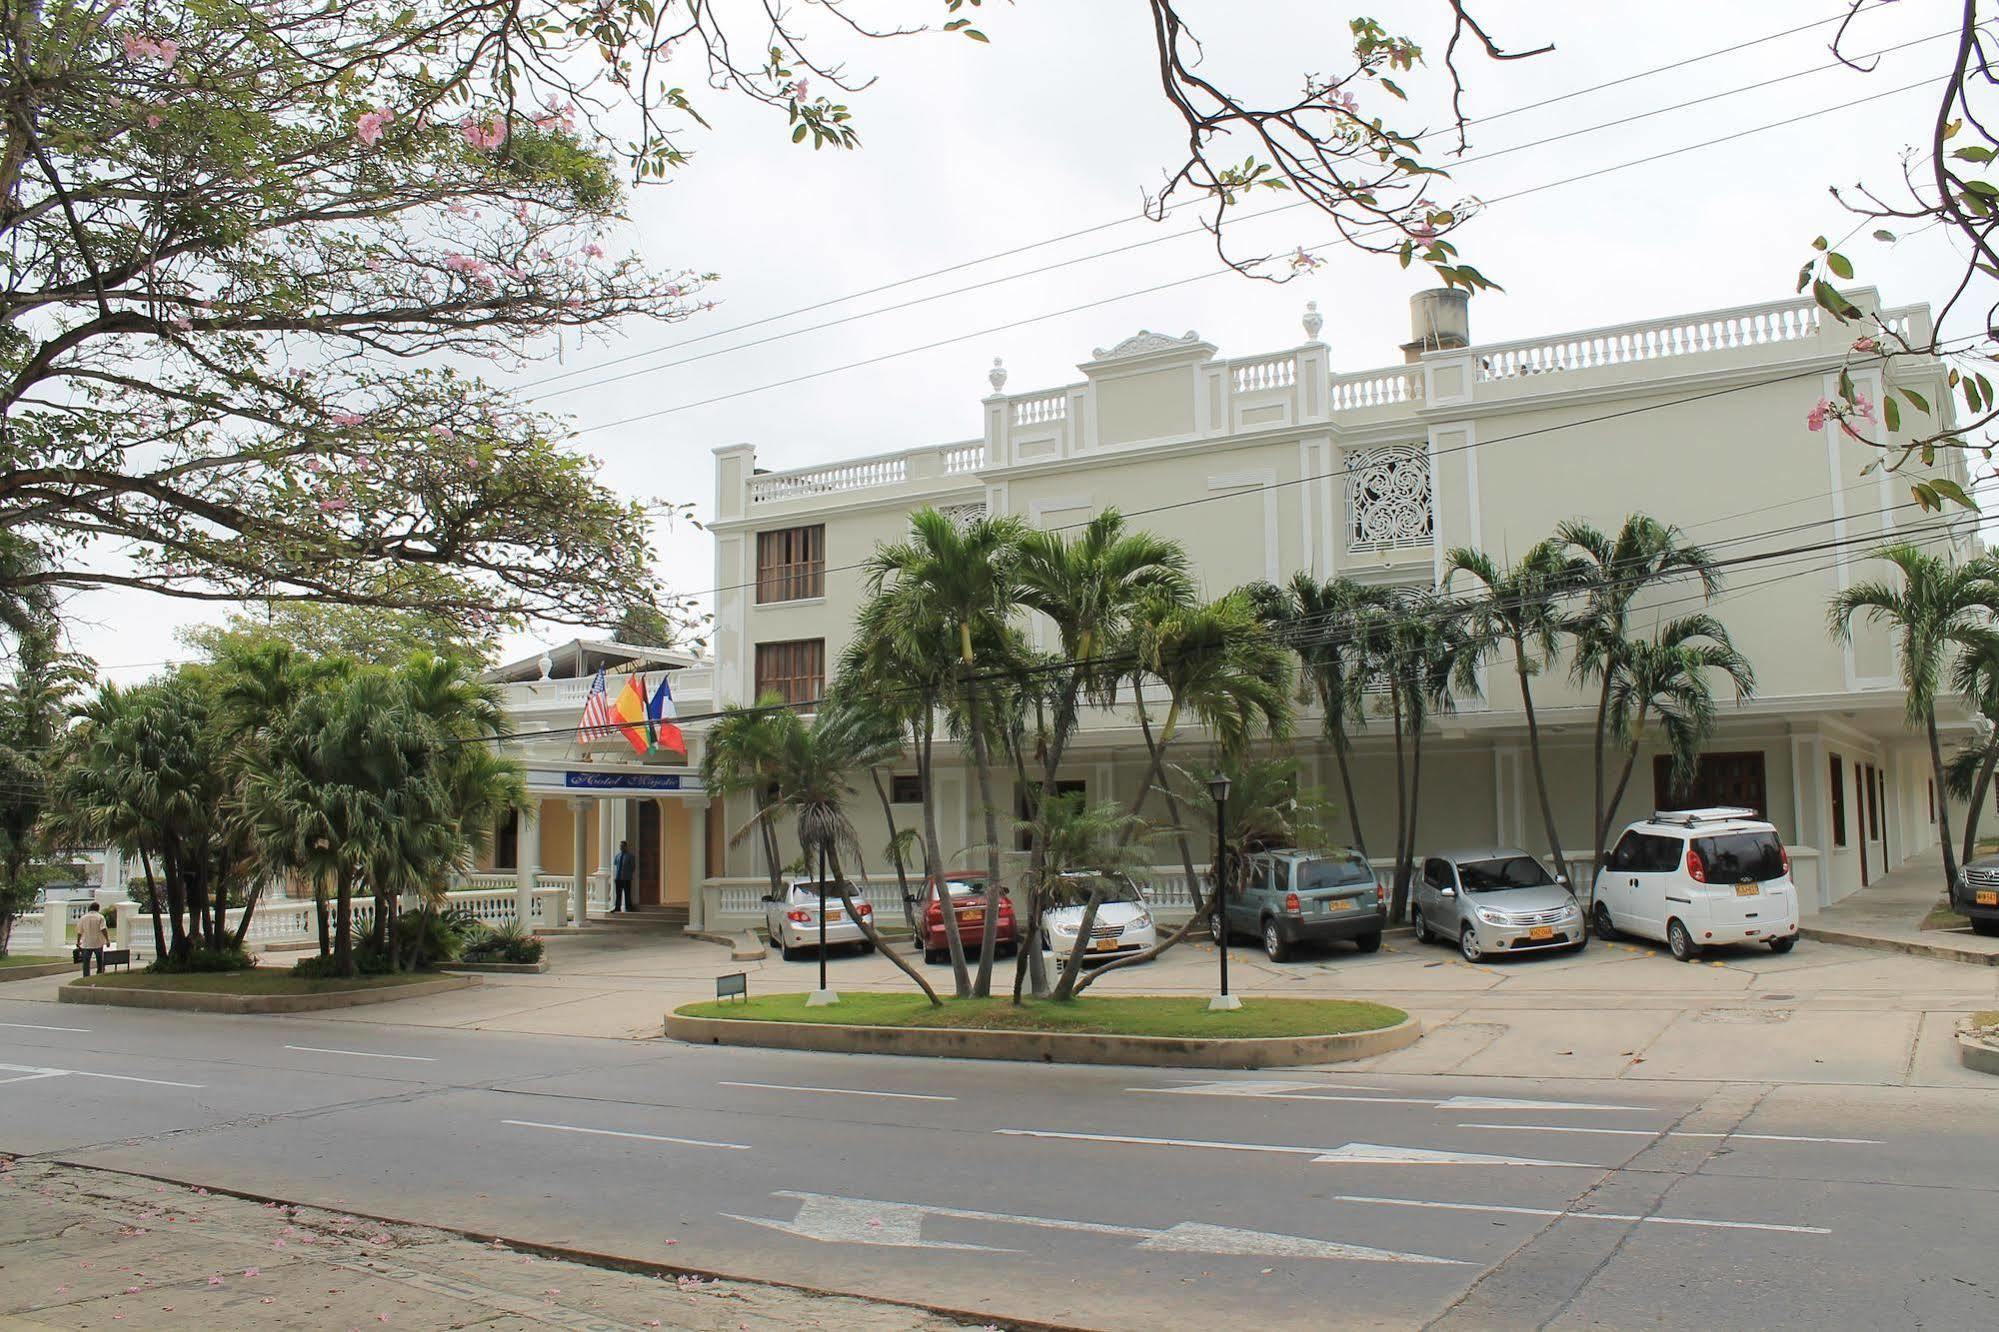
[(586, 780)]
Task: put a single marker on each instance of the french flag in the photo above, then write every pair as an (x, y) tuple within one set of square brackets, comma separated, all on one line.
[(660, 715)]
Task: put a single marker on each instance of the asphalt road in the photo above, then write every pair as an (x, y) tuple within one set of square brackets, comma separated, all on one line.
[(1113, 1198)]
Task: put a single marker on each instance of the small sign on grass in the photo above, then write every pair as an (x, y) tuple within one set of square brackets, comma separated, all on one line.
[(734, 985)]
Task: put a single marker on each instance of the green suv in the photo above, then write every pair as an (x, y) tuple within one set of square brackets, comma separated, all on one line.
[(1287, 898)]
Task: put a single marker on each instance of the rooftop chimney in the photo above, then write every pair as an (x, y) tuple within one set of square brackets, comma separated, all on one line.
[(1437, 320)]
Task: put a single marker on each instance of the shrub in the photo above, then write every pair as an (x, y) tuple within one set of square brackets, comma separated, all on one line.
[(203, 960), (508, 944), (367, 962), (428, 937)]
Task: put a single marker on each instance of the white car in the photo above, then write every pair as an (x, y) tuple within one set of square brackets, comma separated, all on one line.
[(1696, 878), (1123, 923), (793, 919)]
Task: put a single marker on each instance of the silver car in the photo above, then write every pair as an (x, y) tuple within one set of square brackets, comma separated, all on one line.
[(793, 919), (1495, 900)]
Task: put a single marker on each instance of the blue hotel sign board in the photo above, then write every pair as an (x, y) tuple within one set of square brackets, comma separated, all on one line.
[(624, 781)]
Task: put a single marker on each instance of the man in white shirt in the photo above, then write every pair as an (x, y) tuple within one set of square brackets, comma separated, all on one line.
[(91, 937)]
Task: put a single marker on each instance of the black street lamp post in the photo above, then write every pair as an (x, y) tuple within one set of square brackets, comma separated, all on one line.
[(1218, 787), (822, 916)]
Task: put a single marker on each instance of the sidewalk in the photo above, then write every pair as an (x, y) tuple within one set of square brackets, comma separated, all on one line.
[(87, 1249), (1888, 914)]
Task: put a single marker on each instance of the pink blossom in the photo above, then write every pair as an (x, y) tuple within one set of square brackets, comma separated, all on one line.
[(153, 121), (458, 210), (1342, 100), (325, 506), (443, 432), (162, 52), (594, 250), (345, 418), (215, 1281), (1862, 408), (252, 1271), (181, 322), (1815, 419), (369, 128), (797, 90), (573, 303), (372, 264), (1304, 262), (1865, 343), (521, 210), (487, 134), (466, 264)]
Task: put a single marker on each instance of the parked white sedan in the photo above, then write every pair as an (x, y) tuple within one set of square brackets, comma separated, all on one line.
[(1123, 923), (793, 919)]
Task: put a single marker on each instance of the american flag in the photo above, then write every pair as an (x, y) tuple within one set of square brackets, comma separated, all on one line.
[(596, 723)]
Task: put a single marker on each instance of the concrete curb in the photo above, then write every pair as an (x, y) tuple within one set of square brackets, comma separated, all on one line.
[(1047, 1047), (498, 968), (743, 947), (55, 968), (1977, 1053), (1914, 948), (259, 1003)]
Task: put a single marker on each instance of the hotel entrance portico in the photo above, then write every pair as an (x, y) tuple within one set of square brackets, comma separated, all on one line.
[(576, 817)]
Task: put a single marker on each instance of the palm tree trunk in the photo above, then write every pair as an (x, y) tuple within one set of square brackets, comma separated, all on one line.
[(1346, 789), (982, 987), (1406, 854), (154, 905), (1943, 808), (1401, 881), (933, 859), (866, 920), (767, 831), (319, 911), (1601, 818), (1974, 810), (1540, 769), (888, 813), (1027, 971), (1065, 989), (249, 906), (1198, 916), (176, 899), (343, 927)]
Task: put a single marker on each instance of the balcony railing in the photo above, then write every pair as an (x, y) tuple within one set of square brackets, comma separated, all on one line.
[(1627, 344)]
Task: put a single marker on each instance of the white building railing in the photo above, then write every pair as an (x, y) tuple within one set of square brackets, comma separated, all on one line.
[(1627, 344), (1265, 372), (1377, 388), (1040, 408), (962, 458), (881, 469)]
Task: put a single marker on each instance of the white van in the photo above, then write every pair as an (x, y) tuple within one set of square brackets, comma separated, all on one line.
[(1695, 878)]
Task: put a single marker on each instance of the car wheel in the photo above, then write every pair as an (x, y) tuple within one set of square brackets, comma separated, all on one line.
[(1600, 920), (867, 945), (1417, 927), (1468, 945), (787, 952), (1682, 943), (1274, 946), (933, 956), (1783, 945), (1986, 927), (1368, 943), (1581, 943)]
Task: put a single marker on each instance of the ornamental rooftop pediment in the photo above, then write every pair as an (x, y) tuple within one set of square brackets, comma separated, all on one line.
[(1147, 344)]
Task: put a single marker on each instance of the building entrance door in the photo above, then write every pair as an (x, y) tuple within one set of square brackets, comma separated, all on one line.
[(651, 861)]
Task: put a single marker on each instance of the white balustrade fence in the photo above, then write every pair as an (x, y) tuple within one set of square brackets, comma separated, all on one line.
[(1041, 408), (1625, 344), (1267, 372), (962, 458), (1377, 388), (290, 922), (881, 470)]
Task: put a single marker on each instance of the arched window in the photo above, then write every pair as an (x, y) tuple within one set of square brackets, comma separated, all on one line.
[(1389, 501)]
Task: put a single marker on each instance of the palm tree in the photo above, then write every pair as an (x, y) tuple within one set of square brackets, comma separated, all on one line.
[(34, 705), (960, 577), (1220, 666), (1616, 570), (1419, 651), (1520, 607), (741, 754), (1667, 677), (814, 781), (893, 659), (1937, 607), (1094, 839), (1088, 586), (1317, 619), (1976, 676)]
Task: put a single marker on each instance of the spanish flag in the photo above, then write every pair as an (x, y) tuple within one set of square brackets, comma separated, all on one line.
[(629, 714)]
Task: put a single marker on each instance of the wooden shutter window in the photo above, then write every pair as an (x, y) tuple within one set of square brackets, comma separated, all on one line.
[(795, 670), (791, 564)]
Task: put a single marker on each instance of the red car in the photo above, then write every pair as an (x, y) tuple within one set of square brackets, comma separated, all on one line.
[(968, 897)]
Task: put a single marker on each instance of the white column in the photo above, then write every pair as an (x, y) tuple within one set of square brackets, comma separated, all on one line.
[(579, 844), (528, 858), (697, 863), (127, 912), (607, 834), (113, 887), (55, 926)]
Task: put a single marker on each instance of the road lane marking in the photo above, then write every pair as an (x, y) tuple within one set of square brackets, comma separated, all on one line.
[(1676, 1133), (832, 1219), (1273, 1091), (838, 1091), (1352, 1153), (617, 1133), (1581, 1216), (80, 1073), (36, 1026), (361, 1054)]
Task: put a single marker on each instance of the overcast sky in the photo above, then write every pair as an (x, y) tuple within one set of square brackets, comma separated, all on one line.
[(1058, 124)]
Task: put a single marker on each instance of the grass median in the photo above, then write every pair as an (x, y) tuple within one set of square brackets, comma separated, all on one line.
[(258, 980), (25, 960), (1109, 1015)]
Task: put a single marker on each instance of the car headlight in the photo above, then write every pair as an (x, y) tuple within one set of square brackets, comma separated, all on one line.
[(1491, 917), (1059, 928), (1143, 918)]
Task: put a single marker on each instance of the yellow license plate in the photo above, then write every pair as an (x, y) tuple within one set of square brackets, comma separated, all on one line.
[(1986, 897), (835, 917), (1745, 890), (971, 917), (1541, 932), (1103, 945)]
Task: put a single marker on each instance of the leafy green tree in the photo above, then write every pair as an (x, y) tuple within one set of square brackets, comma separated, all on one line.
[(34, 708), (1522, 608), (1643, 553), (741, 755), (1934, 607), (961, 577), (1975, 677), (1318, 620), (1093, 840), (377, 636)]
